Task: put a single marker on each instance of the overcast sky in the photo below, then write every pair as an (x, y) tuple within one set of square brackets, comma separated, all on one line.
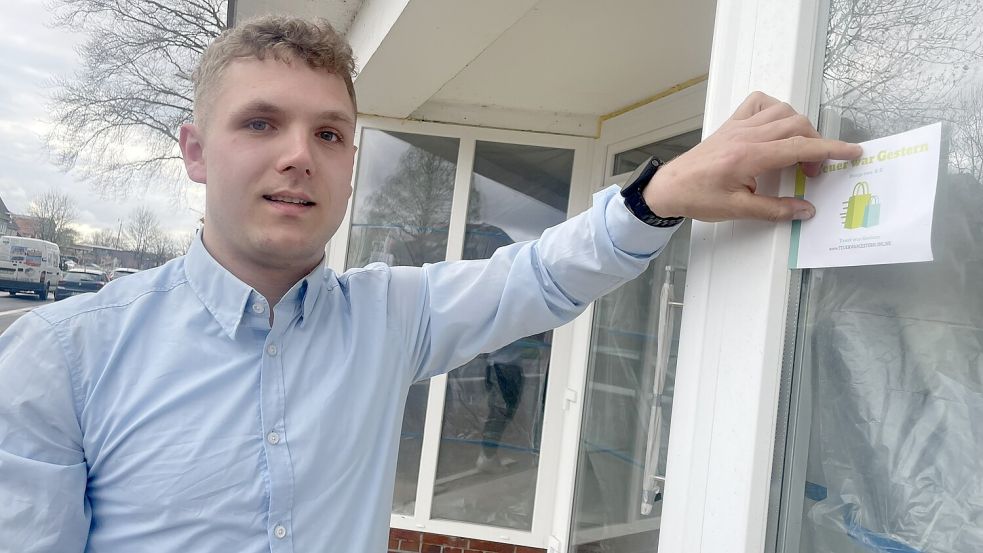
[(31, 53)]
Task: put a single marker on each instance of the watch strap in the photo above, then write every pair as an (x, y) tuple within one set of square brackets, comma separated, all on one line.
[(635, 202)]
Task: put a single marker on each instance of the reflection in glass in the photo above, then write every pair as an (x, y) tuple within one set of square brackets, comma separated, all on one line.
[(630, 382), (493, 414), (891, 376), (410, 449), (402, 208), (666, 150), (403, 193)]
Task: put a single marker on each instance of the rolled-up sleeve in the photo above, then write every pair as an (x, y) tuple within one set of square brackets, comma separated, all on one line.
[(472, 307), (43, 474)]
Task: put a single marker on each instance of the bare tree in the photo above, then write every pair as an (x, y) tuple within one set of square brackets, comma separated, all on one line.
[(414, 203), (183, 241), (161, 248), (142, 230), (967, 139), (109, 238), (116, 119), (102, 237), (894, 63), (54, 214)]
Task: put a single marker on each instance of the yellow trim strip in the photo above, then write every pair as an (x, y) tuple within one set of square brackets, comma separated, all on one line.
[(658, 96)]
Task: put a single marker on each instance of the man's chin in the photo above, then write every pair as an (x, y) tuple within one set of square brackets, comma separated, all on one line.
[(291, 253)]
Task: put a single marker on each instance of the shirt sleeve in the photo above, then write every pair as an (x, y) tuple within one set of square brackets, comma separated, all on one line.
[(42, 465), (473, 307)]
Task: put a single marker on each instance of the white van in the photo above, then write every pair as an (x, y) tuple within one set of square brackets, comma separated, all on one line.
[(29, 265)]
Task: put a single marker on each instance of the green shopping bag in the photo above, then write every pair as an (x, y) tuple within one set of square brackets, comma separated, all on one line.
[(872, 214), (857, 206)]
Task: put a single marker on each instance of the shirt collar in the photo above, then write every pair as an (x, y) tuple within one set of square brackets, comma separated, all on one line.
[(227, 298)]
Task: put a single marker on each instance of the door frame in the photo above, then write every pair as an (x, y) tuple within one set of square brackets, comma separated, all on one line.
[(562, 346), (665, 118), (732, 342)]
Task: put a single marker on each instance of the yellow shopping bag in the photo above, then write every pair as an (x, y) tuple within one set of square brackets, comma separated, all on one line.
[(857, 206)]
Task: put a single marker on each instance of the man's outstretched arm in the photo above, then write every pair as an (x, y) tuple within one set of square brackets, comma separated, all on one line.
[(474, 307), (43, 472)]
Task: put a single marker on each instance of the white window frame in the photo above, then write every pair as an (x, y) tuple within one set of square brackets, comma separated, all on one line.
[(665, 118), (722, 435), (562, 347)]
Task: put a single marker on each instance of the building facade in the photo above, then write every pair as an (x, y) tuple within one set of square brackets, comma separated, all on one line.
[(6, 226), (26, 226), (721, 402)]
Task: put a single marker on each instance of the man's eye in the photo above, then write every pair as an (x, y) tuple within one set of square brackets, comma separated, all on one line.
[(329, 136), (258, 125)]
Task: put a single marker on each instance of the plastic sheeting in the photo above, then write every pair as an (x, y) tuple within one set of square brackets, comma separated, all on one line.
[(895, 356)]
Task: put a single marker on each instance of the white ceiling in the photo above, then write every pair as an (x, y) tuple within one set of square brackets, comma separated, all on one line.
[(340, 13), (588, 56), (545, 61)]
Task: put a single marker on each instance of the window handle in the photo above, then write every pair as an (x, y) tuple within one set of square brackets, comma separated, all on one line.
[(653, 483)]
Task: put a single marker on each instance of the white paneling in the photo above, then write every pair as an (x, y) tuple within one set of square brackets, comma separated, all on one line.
[(427, 45), (588, 57)]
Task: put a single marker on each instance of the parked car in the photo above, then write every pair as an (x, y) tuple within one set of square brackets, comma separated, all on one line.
[(80, 281), (28, 265), (122, 272)]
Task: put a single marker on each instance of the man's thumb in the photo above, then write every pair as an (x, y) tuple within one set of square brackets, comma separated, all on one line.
[(767, 208)]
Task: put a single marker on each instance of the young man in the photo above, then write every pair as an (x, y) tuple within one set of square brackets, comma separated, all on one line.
[(246, 398)]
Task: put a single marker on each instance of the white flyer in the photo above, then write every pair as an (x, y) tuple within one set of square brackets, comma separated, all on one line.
[(873, 210)]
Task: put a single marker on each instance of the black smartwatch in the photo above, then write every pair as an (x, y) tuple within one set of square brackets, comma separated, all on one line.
[(632, 193)]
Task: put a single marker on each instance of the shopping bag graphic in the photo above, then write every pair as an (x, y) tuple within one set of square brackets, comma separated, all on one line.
[(857, 206), (872, 214)]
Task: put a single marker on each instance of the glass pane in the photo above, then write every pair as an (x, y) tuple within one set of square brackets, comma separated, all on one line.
[(410, 449), (625, 430), (891, 376), (626, 162), (402, 203), (402, 208), (493, 415)]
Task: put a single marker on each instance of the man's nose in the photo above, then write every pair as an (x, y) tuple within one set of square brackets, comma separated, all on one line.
[(297, 153)]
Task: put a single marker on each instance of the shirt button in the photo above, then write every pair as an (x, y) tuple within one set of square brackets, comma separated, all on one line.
[(273, 438), (258, 308), (271, 349), (279, 531)]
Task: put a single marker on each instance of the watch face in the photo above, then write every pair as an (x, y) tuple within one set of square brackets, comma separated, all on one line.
[(643, 173)]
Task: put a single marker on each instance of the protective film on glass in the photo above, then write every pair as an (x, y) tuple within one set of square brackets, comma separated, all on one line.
[(891, 369)]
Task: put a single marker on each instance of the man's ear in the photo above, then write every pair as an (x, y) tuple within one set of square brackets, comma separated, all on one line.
[(193, 152)]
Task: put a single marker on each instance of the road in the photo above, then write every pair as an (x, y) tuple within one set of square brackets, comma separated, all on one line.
[(14, 307)]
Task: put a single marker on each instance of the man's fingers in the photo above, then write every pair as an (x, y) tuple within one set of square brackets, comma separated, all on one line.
[(789, 151), (792, 125), (774, 112), (768, 208), (754, 103)]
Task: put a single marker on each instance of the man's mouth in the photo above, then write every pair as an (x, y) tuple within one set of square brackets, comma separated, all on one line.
[(289, 200)]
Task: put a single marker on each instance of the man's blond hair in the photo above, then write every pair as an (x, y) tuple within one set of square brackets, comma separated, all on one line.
[(286, 39)]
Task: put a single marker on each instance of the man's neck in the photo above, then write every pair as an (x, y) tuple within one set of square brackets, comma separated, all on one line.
[(270, 282), (272, 285)]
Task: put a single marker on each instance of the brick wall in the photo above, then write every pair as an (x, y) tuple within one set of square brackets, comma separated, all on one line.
[(408, 541)]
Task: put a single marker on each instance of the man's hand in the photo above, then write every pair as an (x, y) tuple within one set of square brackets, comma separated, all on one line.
[(715, 181)]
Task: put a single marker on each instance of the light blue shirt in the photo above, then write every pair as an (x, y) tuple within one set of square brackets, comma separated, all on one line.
[(165, 414)]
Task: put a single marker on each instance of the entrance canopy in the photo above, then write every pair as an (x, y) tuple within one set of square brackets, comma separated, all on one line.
[(555, 66)]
